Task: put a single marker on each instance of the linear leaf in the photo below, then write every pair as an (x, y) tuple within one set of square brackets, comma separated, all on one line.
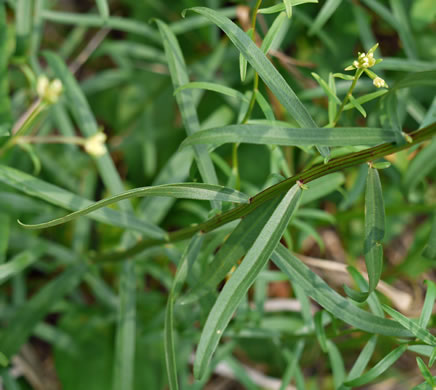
[(374, 228), (189, 256), (233, 249), (257, 59), (27, 316), (324, 14), (288, 8), (124, 359), (16, 265), (281, 6), (363, 359), (365, 98), (184, 190), (357, 106), (212, 87), (241, 280), (103, 8), (185, 101), (273, 32), (58, 196), (330, 300), (420, 332), (426, 372), (272, 135), (379, 368), (113, 22), (427, 307), (5, 104), (326, 88)]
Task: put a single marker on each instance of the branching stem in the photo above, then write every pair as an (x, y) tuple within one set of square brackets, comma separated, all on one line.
[(315, 172)]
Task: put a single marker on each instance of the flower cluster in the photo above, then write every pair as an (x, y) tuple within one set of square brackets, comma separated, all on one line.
[(48, 91), (365, 61), (94, 145)]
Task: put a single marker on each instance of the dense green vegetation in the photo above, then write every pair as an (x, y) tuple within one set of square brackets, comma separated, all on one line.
[(217, 194)]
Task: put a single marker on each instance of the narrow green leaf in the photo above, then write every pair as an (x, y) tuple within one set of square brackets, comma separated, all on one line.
[(212, 87), (188, 24), (320, 331), (343, 76), (184, 190), (189, 256), (233, 249), (58, 196), (5, 104), (36, 308), (379, 368), (330, 300), (4, 235), (23, 26), (374, 228), (357, 106), (292, 360), (427, 308), (16, 265), (273, 33), (425, 372), (337, 364), (241, 280), (243, 64), (405, 65), (114, 22), (332, 109), (257, 59), (132, 49), (326, 88), (430, 249), (265, 106), (179, 77), (324, 15), (363, 359), (281, 6), (272, 135), (288, 8), (125, 339), (103, 8), (414, 327), (403, 28)]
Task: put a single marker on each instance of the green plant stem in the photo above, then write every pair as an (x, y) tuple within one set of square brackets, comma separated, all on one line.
[(359, 73), (315, 172)]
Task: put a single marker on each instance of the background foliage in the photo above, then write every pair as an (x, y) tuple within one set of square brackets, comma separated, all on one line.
[(124, 297)]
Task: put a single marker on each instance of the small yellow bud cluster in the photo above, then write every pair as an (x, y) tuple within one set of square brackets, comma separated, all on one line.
[(48, 91), (94, 145), (365, 61)]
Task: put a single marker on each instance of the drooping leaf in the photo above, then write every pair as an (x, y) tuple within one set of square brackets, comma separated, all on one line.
[(183, 190)]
